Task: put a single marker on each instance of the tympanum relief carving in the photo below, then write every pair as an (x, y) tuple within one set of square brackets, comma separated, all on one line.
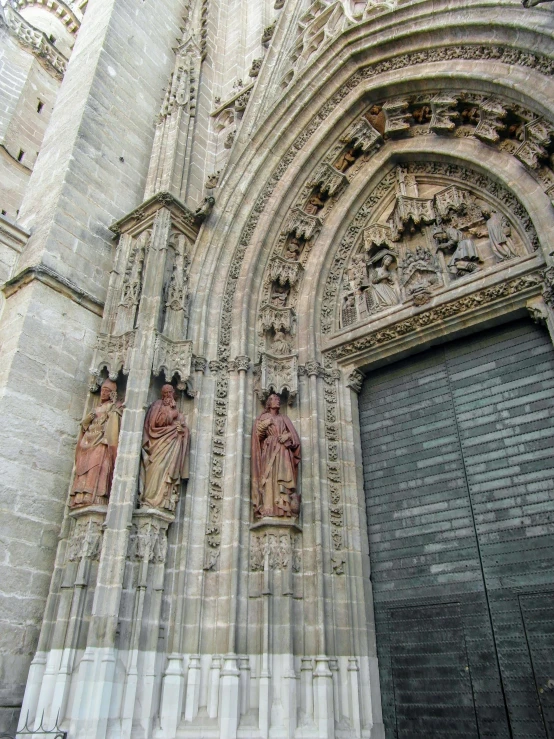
[(429, 238)]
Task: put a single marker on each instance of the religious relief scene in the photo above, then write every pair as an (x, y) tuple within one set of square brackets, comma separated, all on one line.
[(277, 369), (431, 239)]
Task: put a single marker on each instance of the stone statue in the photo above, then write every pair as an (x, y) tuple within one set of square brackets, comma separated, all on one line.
[(280, 344), (293, 249), (314, 205), (164, 463), (96, 450), (383, 286), (346, 159), (275, 460), (465, 257), (499, 235)]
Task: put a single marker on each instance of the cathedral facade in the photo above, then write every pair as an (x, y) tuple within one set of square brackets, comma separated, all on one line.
[(276, 369)]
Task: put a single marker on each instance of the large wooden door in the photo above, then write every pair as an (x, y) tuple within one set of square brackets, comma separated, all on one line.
[(458, 449)]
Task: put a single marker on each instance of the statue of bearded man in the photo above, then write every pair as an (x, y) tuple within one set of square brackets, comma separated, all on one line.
[(165, 444), (96, 450), (275, 460)]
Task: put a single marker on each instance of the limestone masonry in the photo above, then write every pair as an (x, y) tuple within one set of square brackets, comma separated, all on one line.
[(276, 369)]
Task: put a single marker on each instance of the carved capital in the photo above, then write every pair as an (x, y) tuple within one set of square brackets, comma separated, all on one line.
[(240, 364), (85, 541), (148, 541), (200, 364)]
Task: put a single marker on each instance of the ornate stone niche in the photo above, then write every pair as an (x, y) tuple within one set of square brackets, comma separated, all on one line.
[(430, 235)]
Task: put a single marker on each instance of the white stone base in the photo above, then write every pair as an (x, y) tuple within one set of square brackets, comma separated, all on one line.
[(205, 696)]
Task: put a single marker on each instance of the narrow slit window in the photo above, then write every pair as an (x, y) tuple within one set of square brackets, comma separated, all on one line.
[(20, 155), (40, 106)]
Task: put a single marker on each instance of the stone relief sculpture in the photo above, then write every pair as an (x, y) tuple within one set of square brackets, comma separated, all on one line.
[(383, 291), (465, 257), (428, 238), (96, 450), (275, 460), (499, 235), (165, 444)]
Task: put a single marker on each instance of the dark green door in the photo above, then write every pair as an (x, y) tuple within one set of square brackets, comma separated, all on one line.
[(458, 449)]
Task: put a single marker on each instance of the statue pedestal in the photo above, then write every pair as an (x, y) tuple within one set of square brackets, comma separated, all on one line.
[(275, 555)]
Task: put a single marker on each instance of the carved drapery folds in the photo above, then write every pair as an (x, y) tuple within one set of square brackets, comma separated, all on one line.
[(429, 241), (275, 461), (164, 460)]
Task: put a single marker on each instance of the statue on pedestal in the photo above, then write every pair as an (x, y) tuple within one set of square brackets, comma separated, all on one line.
[(164, 463), (275, 460), (96, 450)]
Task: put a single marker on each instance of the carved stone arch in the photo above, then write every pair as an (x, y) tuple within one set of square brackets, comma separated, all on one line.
[(295, 132), (502, 169)]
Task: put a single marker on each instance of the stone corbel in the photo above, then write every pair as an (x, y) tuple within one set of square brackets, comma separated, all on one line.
[(284, 271), (173, 358), (355, 380), (112, 353), (329, 180), (302, 225)]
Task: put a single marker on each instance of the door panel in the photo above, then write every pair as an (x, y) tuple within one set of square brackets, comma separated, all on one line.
[(458, 449)]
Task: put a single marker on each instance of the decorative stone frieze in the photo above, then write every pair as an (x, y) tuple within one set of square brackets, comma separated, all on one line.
[(437, 314)]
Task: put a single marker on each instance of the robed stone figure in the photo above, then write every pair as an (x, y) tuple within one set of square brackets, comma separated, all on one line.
[(165, 444), (96, 450), (275, 460)]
